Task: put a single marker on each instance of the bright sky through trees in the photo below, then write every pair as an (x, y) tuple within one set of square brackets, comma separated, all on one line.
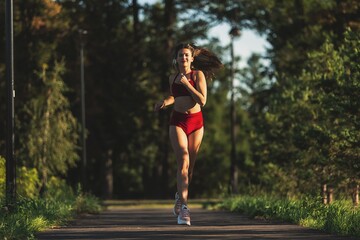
[(249, 42)]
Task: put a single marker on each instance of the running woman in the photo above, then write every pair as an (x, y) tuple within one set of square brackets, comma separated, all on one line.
[(188, 94)]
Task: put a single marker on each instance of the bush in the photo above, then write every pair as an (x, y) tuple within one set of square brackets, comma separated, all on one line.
[(58, 189), (27, 181)]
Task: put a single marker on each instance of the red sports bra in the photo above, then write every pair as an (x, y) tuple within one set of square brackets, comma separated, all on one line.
[(179, 90)]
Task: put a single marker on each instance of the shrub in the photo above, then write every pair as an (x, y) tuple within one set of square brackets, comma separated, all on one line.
[(27, 181)]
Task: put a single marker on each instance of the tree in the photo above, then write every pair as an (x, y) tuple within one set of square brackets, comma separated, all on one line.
[(52, 133), (289, 137), (332, 80)]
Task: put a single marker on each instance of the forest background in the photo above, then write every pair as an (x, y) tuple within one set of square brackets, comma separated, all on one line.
[(297, 116)]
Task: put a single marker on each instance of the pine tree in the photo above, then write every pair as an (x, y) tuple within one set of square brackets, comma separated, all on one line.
[(52, 133)]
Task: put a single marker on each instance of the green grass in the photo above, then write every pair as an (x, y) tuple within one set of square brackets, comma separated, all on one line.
[(29, 216), (339, 217), (155, 203)]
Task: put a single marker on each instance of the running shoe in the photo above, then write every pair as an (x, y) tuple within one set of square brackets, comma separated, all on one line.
[(184, 216), (177, 205)]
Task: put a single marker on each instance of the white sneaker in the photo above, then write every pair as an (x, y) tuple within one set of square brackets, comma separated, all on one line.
[(184, 216), (177, 205)]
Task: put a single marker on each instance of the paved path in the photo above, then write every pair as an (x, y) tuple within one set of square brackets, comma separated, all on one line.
[(156, 222)]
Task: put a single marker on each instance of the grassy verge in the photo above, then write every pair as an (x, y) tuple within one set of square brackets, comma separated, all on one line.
[(338, 218), (138, 204), (29, 216)]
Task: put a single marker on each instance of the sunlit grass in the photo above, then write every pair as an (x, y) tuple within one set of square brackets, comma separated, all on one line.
[(139, 204), (339, 217), (28, 216)]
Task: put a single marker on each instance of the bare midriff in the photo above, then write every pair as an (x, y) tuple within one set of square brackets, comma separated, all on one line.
[(186, 104)]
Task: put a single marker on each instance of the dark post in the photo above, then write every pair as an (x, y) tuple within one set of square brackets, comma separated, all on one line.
[(83, 121), (10, 138), (234, 32)]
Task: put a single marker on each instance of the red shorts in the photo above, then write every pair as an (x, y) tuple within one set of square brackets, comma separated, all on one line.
[(188, 122)]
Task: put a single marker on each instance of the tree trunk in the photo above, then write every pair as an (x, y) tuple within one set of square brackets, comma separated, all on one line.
[(355, 196), (44, 164), (135, 8), (136, 36), (324, 194), (233, 152), (169, 23), (108, 175), (330, 195)]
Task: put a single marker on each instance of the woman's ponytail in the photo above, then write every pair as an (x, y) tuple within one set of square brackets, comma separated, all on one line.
[(206, 61)]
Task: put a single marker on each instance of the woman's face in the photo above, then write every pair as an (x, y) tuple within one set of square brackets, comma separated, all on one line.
[(184, 57)]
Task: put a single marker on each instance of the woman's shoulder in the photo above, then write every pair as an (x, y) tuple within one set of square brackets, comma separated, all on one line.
[(197, 73)]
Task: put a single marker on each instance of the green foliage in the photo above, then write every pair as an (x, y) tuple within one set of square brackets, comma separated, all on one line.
[(324, 132), (58, 189), (86, 203), (32, 215), (336, 77), (27, 181), (52, 133), (29, 216), (305, 124), (339, 217)]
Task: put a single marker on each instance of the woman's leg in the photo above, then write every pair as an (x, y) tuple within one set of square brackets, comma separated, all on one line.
[(194, 142), (179, 143)]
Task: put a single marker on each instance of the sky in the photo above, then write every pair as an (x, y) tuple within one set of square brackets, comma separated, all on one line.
[(249, 41)]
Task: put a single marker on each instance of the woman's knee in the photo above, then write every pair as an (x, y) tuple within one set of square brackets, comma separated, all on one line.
[(183, 167), (182, 155), (184, 175), (183, 152)]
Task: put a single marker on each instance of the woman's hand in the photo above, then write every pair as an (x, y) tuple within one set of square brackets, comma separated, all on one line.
[(183, 79), (159, 105)]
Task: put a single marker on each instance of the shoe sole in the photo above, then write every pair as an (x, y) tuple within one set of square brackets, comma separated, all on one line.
[(183, 222)]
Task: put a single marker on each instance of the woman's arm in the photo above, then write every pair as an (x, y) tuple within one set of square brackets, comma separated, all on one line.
[(164, 103), (169, 100), (199, 94)]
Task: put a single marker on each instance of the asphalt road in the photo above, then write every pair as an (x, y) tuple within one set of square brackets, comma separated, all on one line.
[(157, 222)]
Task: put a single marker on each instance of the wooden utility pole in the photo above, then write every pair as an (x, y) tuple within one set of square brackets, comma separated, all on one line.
[(234, 32), (82, 33), (10, 136)]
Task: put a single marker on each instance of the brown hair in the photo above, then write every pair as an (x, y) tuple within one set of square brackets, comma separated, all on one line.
[(204, 60)]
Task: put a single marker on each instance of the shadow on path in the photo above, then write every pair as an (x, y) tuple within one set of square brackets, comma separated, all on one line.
[(159, 223)]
